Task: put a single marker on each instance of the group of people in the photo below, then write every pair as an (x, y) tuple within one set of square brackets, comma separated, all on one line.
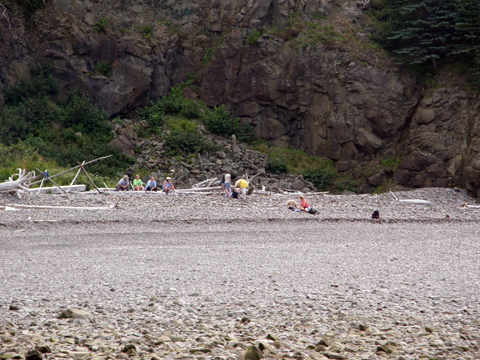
[(292, 205), (240, 187), (124, 185)]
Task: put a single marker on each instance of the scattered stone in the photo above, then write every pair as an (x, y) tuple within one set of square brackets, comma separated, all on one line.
[(252, 353), (74, 314), (44, 349)]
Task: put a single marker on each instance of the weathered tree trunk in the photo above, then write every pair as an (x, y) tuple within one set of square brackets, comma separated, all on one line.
[(22, 183)]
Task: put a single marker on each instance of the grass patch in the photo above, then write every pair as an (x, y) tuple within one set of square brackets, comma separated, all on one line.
[(209, 53), (391, 162), (253, 37), (387, 186), (104, 68), (146, 31), (26, 157), (101, 25), (296, 161)]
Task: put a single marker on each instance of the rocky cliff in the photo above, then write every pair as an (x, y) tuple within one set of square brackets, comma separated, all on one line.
[(302, 72)]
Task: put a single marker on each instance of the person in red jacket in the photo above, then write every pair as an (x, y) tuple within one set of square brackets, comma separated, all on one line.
[(303, 204)]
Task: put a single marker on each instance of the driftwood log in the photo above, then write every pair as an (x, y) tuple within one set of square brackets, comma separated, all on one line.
[(22, 181)]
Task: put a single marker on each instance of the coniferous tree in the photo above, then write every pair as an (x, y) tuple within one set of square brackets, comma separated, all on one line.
[(467, 34), (423, 31)]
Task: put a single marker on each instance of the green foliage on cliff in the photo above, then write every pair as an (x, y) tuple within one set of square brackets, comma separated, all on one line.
[(184, 138), (221, 122), (104, 68), (175, 105), (32, 116), (31, 5), (277, 165), (430, 33), (321, 178), (253, 37), (147, 31), (101, 24)]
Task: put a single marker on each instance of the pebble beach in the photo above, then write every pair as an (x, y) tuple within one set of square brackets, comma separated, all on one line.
[(204, 277)]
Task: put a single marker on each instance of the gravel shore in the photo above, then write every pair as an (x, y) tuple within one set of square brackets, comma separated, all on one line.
[(203, 277)]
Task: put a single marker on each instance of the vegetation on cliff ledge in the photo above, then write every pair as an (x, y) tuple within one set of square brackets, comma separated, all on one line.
[(63, 130), (428, 34)]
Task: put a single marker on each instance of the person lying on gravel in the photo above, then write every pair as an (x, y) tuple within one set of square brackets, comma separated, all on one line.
[(123, 184), (151, 185), (241, 185), (168, 186), (138, 184)]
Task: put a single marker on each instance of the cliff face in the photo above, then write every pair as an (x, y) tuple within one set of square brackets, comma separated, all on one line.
[(337, 97)]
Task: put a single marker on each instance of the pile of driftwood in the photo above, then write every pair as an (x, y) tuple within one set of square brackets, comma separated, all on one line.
[(21, 182)]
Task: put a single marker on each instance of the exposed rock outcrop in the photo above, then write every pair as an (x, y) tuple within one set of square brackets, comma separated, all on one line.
[(343, 99)]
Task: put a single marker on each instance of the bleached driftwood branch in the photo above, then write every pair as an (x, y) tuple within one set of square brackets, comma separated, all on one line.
[(416, 201), (47, 207), (205, 183), (22, 182), (411, 201)]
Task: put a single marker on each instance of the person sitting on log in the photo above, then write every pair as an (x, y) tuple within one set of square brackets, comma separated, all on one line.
[(123, 184), (168, 186), (138, 184), (151, 185)]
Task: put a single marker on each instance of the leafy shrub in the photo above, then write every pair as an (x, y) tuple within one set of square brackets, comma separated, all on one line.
[(41, 85), (147, 31), (153, 115), (219, 121), (101, 25), (32, 5), (253, 37), (184, 139), (104, 68), (32, 118), (88, 149), (181, 142), (174, 104), (316, 34), (277, 166), (13, 126), (319, 177), (391, 162), (79, 114)]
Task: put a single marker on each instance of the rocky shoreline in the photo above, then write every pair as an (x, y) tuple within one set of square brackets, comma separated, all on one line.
[(203, 277)]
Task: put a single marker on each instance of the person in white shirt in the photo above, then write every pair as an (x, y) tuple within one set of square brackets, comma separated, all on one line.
[(227, 185)]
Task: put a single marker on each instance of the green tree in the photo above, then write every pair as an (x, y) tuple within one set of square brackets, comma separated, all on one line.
[(423, 31), (467, 36)]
